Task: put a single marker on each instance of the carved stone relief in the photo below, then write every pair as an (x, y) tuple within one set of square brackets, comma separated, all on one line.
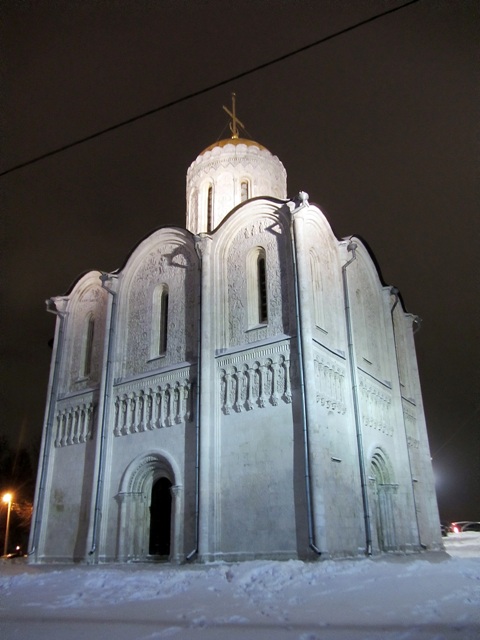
[(326, 288), (413, 443), (150, 404), (74, 423), (375, 403), (92, 302), (402, 351), (173, 266), (410, 419), (368, 326), (270, 176), (330, 383), (264, 232), (253, 381), (224, 168)]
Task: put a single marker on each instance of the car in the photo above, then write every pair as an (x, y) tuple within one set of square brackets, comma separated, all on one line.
[(471, 526), (464, 525), (444, 528)]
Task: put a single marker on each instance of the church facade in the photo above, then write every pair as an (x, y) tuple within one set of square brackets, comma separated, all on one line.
[(243, 388)]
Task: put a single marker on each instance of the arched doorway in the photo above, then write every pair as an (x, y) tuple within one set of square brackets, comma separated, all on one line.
[(383, 491), (150, 505), (160, 517)]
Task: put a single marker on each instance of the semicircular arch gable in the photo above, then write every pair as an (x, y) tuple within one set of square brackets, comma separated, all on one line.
[(85, 334), (168, 237), (325, 277), (368, 313), (315, 217), (167, 258), (251, 217), (86, 289), (259, 228), (369, 266)]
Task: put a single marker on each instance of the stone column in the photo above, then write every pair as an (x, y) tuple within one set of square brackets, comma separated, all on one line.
[(123, 501), (177, 530)]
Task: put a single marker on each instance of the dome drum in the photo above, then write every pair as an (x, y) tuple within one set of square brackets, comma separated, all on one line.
[(226, 174)]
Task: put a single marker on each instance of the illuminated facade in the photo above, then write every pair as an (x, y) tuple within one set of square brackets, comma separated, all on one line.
[(245, 387)]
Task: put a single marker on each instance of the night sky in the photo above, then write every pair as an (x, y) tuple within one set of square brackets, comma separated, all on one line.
[(379, 125)]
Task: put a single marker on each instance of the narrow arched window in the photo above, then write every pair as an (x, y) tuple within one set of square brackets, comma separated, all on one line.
[(244, 195), (159, 332), (210, 208), (88, 346), (317, 290), (262, 289), (257, 290), (162, 340)]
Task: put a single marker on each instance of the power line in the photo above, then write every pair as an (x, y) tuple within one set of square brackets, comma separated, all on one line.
[(457, 431), (200, 92)]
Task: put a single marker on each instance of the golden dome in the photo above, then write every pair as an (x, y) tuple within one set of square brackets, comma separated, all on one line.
[(234, 141)]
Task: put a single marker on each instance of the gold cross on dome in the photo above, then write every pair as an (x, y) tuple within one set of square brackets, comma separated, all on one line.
[(235, 120)]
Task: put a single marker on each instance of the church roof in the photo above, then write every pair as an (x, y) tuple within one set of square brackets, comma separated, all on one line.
[(234, 141)]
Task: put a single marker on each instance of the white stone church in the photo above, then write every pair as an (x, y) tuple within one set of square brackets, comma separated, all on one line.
[(243, 388)]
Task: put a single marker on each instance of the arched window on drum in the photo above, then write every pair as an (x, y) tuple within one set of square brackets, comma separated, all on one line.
[(244, 190), (210, 208)]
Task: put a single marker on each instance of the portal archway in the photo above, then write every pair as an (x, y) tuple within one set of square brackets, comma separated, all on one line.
[(383, 490), (150, 505)]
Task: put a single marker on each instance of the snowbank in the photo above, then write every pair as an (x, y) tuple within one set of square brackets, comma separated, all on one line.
[(434, 596)]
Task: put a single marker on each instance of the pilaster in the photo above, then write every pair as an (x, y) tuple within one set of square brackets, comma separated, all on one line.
[(208, 458), (57, 306), (312, 420), (102, 437)]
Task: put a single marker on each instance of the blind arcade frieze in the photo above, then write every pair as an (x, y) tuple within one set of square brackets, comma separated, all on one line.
[(255, 379), (74, 424), (376, 403), (330, 383), (152, 404)]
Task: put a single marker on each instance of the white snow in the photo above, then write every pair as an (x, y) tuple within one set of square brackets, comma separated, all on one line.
[(434, 596)]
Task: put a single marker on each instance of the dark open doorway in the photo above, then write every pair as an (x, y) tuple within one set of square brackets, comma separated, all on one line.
[(160, 518)]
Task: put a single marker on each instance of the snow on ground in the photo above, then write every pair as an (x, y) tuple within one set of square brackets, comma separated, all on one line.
[(434, 596)]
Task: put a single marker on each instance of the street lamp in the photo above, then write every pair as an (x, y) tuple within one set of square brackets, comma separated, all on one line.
[(7, 497)]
